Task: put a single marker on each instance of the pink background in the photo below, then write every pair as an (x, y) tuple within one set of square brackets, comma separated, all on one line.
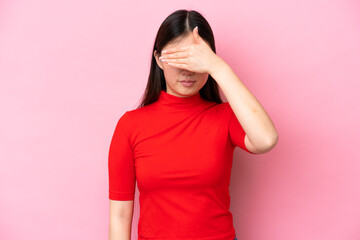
[(70, 69)]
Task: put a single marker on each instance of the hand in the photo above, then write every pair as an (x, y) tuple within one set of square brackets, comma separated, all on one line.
[(198, 57)]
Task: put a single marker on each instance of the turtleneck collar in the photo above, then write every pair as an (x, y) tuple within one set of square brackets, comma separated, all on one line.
[(170, 100)]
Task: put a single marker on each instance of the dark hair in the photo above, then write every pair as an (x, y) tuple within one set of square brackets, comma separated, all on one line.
[(179, 24)]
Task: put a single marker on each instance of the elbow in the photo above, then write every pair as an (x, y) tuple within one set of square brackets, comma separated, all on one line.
[(272, 142), (266, 145)]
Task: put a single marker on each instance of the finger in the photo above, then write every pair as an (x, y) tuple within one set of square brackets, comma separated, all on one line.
[(179, 65), (176, 60), (175, 49), (183, 54)]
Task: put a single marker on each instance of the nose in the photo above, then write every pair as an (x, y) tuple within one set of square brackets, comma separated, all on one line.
[(187, 73)]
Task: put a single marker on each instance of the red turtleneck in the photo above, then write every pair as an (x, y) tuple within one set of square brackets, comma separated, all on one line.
[(180, 153)]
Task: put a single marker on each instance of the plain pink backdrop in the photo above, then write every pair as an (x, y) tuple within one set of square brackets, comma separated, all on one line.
[(70, 69)]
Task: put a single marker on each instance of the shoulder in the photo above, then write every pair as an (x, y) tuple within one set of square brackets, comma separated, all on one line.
[(225, 106), (223, 112), (220, 105), (140, 113), (220, 108)]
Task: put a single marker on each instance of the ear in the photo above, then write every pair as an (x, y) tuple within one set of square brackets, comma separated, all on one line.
[(159, 63)]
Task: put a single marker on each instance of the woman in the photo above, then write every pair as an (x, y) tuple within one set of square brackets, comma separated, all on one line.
[(178, 144)]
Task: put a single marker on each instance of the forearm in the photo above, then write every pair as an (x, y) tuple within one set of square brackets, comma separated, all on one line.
[(248, 110), (120, 228)]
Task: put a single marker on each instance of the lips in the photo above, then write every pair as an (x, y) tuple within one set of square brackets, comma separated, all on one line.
[(187, 83)]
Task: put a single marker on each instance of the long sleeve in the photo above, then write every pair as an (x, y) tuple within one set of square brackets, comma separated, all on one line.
[(236, 132), (121, 166)]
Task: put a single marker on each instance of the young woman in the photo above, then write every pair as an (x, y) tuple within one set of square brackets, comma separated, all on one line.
[(178, 144)]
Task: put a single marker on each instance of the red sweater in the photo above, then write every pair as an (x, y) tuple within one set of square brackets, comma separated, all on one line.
[(180, 153)]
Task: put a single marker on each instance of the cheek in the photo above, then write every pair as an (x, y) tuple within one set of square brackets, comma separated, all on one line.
[(203, 77), (170, 68), (171, 72)]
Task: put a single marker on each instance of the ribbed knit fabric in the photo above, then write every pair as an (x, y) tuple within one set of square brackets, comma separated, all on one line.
[(180, 153)]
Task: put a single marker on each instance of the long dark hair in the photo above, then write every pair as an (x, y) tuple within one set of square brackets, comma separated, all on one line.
[(179, 24)]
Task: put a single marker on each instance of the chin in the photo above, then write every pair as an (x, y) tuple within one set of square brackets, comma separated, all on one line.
[(189, 92)]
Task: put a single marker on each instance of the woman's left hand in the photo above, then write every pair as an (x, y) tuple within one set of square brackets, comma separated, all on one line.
[(197, 57)]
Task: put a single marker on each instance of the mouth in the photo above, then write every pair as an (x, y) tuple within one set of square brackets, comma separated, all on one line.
[(187, 81)]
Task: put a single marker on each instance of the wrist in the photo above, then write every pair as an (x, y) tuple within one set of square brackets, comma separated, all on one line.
[(218, 66)]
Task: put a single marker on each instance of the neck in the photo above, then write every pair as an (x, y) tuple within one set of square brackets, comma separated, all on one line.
[(169, 100)]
